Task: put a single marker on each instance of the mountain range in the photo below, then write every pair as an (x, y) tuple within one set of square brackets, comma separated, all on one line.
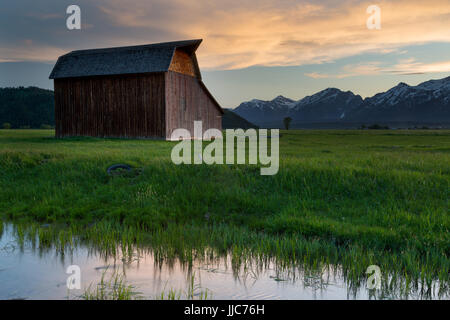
[(428, 102)]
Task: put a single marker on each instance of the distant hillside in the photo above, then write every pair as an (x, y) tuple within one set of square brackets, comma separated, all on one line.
[(231, 120), (426, 103), (26, 107)]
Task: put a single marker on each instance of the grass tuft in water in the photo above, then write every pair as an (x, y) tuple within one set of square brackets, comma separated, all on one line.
[(116, 288), (194, 291)]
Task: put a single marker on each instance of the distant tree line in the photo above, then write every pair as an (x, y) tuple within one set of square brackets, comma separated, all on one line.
[(26, 108)]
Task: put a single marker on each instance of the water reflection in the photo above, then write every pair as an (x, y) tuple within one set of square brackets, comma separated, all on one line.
[(30, 272)]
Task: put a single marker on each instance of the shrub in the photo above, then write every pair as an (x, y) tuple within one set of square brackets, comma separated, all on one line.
[(287, 122), (377, 127), (6, 125)]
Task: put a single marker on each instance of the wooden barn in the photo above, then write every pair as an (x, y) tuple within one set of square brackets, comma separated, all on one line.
[(144, 91)]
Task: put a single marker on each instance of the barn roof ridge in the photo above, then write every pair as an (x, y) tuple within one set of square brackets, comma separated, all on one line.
[(148, 58), (193, 44)]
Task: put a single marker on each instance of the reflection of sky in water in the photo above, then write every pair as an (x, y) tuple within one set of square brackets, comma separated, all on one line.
[(30, 274)]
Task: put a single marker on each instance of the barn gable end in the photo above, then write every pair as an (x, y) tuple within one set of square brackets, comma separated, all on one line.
[(183, 63)]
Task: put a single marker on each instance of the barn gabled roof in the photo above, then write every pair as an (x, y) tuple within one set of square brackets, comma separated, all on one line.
[(121, 60)]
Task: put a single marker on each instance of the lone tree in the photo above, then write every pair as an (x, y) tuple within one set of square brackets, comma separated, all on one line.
[(287, 122)]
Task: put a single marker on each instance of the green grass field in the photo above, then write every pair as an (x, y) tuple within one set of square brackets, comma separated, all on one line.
[(352, 198)]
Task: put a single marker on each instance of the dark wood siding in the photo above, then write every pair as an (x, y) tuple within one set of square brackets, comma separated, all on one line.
[(186, 102), (111, 106)]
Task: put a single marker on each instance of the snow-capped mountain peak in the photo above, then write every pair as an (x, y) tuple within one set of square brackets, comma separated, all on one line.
[(281, 100), (424, 92), (441, 84)]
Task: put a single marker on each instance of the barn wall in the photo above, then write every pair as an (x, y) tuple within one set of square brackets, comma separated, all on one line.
[(186, 102), (129, 106)]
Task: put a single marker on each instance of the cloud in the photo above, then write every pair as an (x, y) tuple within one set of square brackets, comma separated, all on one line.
[(411, 67), (19, 53), (316, 75), (45, 16), (240, 34), (404, 67), (7, 60), (237, 33)]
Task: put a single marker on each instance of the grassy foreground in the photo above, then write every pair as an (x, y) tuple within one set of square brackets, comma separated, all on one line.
[(353, 198)]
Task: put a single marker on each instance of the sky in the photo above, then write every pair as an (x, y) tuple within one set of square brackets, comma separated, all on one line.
[(251, 48)]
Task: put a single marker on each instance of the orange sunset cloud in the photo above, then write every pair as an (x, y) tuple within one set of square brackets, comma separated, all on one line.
[(240, 34)]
